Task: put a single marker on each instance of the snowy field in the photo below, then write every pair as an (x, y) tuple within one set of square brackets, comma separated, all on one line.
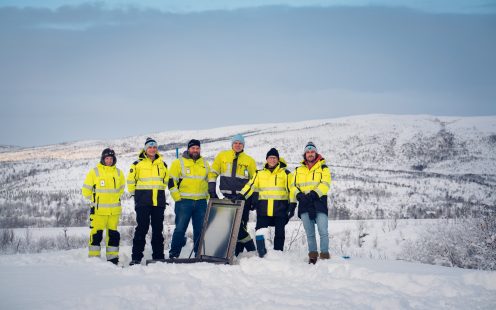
[(372, 279), (70, 280)]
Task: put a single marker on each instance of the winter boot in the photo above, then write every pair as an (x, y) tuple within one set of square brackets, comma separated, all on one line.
[(261, 245), (134, 262), (325, 255), (312, 257), (114, 261), (239, 248), (250, 246)]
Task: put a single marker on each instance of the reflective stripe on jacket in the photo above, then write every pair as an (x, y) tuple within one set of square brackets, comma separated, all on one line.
[(103, 187), (189, 178), (147, 180), (317, 178), (234, 169), (272, 188)]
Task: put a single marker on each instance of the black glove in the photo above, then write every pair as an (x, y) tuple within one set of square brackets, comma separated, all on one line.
[(301, 197), (313, 196), (254, 201), (238, 197), (291, 211), (211, 190)]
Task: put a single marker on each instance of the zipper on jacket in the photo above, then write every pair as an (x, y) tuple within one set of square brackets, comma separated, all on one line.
[(114, 182), (313, 176), (275, 183), (158, 171), (97, 202)]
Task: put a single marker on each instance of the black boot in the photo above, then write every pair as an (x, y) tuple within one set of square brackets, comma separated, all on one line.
[(312, 257), (239, 248), (250, 246), (134, 262), (114, 261)]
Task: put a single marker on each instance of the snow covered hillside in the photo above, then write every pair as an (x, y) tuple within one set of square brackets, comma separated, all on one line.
[(382, 166), (71, 280)]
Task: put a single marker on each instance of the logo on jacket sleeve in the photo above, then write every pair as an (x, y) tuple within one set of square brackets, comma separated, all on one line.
[(102, 183)]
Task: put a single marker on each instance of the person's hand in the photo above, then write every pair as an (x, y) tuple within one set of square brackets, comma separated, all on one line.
[(238, 197), (211, 190), (301, 197), (313, 196), (291, 211)]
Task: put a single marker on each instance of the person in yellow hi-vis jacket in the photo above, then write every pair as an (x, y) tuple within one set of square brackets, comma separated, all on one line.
[(189, 175), (147, 180), (235, 168), (103, 187), (272, 186), (311, 182)]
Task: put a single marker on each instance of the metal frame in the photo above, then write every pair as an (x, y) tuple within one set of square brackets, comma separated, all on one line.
[(238, 205)]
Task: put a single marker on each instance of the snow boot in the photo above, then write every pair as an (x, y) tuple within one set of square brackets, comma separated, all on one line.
[(239, 248), (312, 257), (250, 246), (114, 261), (325, 255), (134, 262)]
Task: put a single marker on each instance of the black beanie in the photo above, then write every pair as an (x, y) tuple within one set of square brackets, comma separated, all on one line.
[(272, 152), (106, 153), (193, 142)]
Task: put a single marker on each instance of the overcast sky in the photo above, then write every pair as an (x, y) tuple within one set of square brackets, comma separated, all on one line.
[(101, 71)]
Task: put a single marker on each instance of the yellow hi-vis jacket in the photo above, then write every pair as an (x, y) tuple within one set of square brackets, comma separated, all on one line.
[(103, 187), (147, 181), (317, 179), (272, 188), (234, 169), (189, 178)]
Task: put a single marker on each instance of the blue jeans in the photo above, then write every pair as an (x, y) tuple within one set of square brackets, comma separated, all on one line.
[(185, 210), (322, 222)]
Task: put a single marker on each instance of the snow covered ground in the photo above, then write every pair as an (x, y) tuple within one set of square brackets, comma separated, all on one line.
[(70, 280), (371, 279)]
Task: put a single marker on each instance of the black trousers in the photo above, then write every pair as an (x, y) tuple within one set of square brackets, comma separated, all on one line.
[(144, 216), (279, 223)]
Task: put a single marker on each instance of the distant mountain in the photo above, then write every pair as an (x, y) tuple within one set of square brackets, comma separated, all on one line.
[(382, 166), (8, 148)]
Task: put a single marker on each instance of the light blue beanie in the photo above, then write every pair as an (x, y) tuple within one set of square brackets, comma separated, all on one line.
[(239, 137)]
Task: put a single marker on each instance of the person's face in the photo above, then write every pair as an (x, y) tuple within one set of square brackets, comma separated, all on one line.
[(109, 161), (237, 146), (310, 155), (194, 151), (272, 161), (151, 151)]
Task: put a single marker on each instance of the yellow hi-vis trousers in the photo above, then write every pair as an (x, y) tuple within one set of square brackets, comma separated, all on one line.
[(98, 224)]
